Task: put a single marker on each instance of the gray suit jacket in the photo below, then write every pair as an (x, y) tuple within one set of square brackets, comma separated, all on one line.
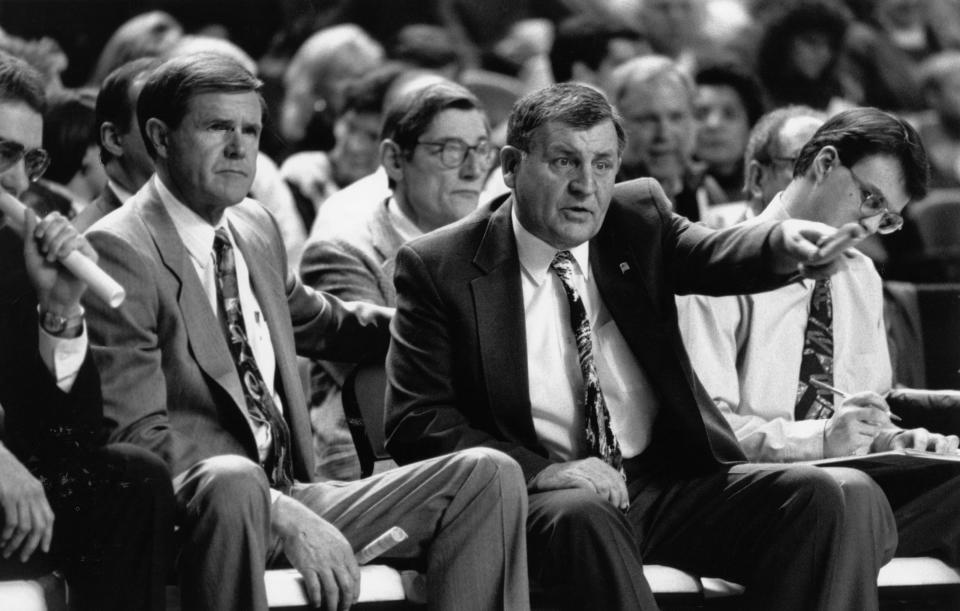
[(354, 259), (169, 381)]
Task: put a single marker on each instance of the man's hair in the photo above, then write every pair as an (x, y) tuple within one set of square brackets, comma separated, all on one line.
[(146, 35), (645, 70), (578, 106), (21, 83), (167, 93), (113, 101), (764, 141), (69, 129), (740, 80), (863, 132), (368, 93), (407, 118), (585, 38)]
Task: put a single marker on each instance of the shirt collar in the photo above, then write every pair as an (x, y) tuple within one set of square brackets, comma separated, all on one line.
[(536, 255), (197, 234), (407, 229), (122, 194), (775, 211)]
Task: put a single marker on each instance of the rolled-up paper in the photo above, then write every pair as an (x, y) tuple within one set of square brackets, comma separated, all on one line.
[(381, 544), (98, 281)]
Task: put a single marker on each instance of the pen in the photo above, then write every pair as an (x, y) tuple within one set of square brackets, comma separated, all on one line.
[(840, 393)]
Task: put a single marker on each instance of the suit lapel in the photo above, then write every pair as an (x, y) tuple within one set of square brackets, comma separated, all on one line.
[(208, 345), (498, 301)]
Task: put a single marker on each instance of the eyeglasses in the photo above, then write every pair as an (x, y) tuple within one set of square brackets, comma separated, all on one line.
[(35, 161), (872, 205), (453, 152)]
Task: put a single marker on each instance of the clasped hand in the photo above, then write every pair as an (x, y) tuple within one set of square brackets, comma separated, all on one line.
[(27, 516), (589, 474), (320, 553)]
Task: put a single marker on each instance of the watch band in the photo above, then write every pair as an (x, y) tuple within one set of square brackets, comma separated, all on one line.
[(58, 325)]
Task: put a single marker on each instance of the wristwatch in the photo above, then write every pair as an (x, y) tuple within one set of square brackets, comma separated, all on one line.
[(58, 325)]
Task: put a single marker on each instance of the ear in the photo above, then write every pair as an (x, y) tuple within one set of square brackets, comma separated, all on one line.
[(751, 183), (826, 160), (159, 134), (110, 138), (509, 164), (391, 159)]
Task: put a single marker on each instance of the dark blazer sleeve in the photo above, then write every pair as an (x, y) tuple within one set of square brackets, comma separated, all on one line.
[(39, 419), (432, 407)]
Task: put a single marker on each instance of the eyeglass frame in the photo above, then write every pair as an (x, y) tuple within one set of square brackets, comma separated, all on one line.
[(895, 218), (486, 162), (21, 152)]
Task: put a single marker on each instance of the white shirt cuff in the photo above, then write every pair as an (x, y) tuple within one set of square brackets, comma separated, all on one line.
[(63, 356)]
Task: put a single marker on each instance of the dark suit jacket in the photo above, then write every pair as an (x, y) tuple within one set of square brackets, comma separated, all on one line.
[(169, 381), (42, 423), (457, 366)]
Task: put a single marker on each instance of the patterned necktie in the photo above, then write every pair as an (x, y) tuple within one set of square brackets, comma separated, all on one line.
[(817, 361), (600, 437), (261, 408)]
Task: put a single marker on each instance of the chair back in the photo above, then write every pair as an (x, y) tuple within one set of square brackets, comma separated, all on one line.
[(363, 404)]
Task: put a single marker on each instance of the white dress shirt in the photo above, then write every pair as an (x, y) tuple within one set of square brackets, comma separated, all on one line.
[(553, 370), (407, 229), (197, 235), (747, 350)]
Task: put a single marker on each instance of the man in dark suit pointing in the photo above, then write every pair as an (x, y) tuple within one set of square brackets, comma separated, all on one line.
[(544, 326)]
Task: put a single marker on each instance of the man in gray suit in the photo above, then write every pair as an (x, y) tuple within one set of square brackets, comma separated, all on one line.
[(199, 366), (436, 151)]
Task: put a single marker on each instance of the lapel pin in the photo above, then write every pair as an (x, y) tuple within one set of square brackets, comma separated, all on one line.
[(624, 267)]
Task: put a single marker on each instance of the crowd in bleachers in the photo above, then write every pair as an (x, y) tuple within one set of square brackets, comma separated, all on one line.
[(742, 111)]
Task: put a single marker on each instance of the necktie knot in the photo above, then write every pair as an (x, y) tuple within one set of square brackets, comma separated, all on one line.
[(562, 265)]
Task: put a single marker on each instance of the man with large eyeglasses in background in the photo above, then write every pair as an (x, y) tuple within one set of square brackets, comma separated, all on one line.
[(436, 151), (103, 515), (764, 358)]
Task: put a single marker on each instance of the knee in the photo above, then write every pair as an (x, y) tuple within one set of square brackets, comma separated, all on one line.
[(583, 515), (230, 485), (141, 472), (487, 464), (815, 494)]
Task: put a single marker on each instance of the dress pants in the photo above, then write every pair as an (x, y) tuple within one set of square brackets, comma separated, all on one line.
[(464, 514), (787, 533), (113, 511)]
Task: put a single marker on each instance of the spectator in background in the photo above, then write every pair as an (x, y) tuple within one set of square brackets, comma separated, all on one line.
[(146, 35), (76, 175), (799, 55), (429, 47), (122, 152), (772, 149), (315, 79), (655, 98), (726, 106), (314, 176), (940, 128), (435, 147), (587, 48)]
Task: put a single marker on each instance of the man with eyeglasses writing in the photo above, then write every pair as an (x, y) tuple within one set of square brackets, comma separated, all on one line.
[(765, 358), (436, 151)]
